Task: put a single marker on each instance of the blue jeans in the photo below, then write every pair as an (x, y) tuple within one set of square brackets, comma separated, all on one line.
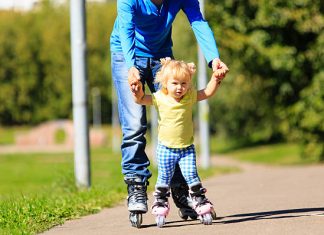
[(132, 116)]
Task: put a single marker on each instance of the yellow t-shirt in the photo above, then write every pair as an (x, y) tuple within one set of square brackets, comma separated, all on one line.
[(175, 119)]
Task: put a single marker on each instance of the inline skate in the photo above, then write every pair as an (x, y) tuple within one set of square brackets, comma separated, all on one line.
[(202, 205), (161, 205), (136, 200), (180, 196)]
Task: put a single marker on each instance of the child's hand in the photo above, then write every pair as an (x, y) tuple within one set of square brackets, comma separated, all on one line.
[(220, 69)]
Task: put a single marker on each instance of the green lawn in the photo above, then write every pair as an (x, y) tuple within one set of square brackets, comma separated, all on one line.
[(37, 190), (7, 134), (273, 154), (276, 154)]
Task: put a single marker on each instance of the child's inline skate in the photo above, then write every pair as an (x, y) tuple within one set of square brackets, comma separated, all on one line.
[(161, 205), (202, 205), (180, 196), (136, 200)]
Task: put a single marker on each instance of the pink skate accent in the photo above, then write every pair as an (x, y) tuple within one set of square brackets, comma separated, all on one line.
[(161, 210), (204, 209)]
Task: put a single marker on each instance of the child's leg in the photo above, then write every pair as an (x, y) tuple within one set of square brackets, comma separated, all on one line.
[(200, 203), (188, 165), (161, 205), (166, 159)]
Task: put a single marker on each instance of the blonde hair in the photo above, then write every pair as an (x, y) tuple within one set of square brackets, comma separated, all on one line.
[(175, 69)]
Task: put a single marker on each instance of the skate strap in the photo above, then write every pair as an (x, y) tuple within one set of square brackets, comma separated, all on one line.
[(159, 204), (203, 202), (161, 195), (200, 192)]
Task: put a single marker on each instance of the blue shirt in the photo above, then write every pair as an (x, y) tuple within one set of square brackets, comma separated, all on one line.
[(143, 29)]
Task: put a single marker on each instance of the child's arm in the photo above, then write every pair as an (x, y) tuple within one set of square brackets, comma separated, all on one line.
[(138, 93), (212, 85)]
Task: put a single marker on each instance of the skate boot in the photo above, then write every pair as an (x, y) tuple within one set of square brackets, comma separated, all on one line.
[(202, 205), (180, 196), (136, 200), (161, 205)]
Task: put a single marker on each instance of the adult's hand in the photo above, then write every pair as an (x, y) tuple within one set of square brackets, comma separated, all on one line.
[(220, 69), (133, 78)]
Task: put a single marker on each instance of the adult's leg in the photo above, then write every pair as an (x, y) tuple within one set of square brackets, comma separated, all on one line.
[(133, 123)]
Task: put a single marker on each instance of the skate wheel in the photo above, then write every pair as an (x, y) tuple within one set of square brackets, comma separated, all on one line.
[(136, 219), (182, 216), (207, 219), (160, 220), (193, 217)]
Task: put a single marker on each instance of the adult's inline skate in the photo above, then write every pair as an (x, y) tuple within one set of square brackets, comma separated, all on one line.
[(136, 200), (182, 200)]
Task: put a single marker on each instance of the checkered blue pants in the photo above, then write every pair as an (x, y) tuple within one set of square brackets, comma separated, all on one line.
[(167, 159)]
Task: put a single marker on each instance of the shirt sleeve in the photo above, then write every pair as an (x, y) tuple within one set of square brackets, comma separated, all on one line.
[(126, 11), (201, 29), (154, 100), (194, 96)]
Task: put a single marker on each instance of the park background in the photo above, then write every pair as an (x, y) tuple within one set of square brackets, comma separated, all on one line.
[(273, 96)]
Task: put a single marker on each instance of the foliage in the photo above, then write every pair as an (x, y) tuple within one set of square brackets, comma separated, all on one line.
[(274, 50), (35, 72), (308, 115)]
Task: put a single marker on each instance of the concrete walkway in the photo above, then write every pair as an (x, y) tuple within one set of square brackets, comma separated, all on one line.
[(257, 200)]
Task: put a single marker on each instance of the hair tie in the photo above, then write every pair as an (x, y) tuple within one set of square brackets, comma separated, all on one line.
[(165, 60), (192, 67)]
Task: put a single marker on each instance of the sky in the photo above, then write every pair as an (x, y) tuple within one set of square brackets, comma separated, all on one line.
[(22, 4), (27, 4)]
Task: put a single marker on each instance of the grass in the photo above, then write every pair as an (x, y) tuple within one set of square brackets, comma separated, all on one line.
[(275, 154), (272, 154), (37, 191), (7, 135)]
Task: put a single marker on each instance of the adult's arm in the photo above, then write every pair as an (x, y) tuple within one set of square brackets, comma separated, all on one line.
[(126, 11), (201, 29)]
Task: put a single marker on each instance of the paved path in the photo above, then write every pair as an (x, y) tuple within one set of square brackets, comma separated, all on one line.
[(257, 200)]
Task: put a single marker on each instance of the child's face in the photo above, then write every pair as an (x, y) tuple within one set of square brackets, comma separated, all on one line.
[(177, 88)]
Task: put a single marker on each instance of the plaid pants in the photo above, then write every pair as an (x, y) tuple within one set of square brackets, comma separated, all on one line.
[(167, 159)]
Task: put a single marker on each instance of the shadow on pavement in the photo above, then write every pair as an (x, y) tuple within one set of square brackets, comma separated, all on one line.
[(238, 218), (280, 214)]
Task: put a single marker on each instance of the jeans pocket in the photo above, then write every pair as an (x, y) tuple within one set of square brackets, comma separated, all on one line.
[(141, 62), (117, 57)]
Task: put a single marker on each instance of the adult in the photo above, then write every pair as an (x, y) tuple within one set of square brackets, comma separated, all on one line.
[(140, 37)]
